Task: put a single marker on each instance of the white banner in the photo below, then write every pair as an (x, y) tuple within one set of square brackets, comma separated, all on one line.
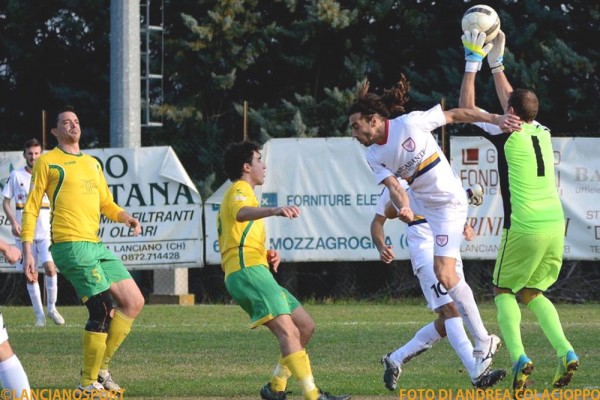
[(331, 183), (578, 181), (152, 185)]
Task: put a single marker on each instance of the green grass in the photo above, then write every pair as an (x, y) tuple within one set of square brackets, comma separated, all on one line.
[(208, 351)]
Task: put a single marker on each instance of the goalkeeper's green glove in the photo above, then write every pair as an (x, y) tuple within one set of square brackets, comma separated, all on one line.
[(496, 54), (475, 49)]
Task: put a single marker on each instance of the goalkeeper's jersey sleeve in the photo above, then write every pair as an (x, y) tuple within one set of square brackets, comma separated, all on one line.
[(78, 194), (242, 244)]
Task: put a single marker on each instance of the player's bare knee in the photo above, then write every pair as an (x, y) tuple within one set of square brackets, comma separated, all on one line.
[(100, 308), (448, 311), (306, 331), (526, 295), (49, 269)]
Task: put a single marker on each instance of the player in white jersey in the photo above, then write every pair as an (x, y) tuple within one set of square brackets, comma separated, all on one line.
[(17, 188), (13, 379), (449, 323), (402, 146)]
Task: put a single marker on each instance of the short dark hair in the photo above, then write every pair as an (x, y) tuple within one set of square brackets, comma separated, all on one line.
[(524, 103), (236, 155), (31, 143), (63, 109)]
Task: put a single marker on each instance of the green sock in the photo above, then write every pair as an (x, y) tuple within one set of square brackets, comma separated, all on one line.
[(509, 319), (549, 321)]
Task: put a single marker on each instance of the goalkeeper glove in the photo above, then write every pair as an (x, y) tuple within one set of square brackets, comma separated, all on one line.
[(475, 49), (475, 195), (496, 54)]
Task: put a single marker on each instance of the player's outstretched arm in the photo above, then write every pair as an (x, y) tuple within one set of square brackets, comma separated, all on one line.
[(252, 213)]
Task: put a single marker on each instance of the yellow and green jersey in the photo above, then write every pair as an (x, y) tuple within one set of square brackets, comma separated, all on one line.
[(78, 194), (242, 244)]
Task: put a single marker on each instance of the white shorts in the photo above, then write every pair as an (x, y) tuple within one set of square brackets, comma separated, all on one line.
[(3, 333), (420, 248), (40, 250), (447, 225)]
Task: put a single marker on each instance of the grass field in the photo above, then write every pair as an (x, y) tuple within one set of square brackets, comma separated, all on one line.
[(208, 351)]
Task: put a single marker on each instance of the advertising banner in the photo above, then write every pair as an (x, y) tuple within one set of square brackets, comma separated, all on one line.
[(150, 184), (331, 183)]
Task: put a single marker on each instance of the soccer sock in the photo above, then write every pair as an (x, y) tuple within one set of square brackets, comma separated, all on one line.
[(462, 295), (36, 298), (120, 326), (455, 331), (51, 283), (94, 345), (299, 364), (14, 378), (509, 319), (280, 377), (425, 337), (549, 321)]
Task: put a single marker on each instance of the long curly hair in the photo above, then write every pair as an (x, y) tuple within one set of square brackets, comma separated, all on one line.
[(389, 104)]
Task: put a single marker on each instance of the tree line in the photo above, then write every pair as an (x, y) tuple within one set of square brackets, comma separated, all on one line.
[(296, 64)]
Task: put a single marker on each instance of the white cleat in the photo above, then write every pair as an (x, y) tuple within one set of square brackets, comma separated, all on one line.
[(40, 321), (483, 358), (105, 379), (55, 316)]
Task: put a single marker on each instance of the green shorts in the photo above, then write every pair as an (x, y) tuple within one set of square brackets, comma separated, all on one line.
[(90, 267), (258, 293), (530, 261)]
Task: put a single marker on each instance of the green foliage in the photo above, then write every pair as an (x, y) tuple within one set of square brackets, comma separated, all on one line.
[(295, 62)]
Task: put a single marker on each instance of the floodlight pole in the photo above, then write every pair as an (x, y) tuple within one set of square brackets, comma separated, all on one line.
[(125, 85)]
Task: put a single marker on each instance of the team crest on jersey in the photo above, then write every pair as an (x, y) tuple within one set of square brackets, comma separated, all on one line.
[(409, 145), (441, 240), (239, 196)]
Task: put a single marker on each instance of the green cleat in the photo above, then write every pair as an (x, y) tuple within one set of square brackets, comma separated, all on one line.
[(567, 365), (521, 371)]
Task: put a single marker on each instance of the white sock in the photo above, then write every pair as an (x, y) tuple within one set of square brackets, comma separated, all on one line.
[(426, 337), (36, 298), (51, 291), (465, 302), (13, 376), (455, 331)]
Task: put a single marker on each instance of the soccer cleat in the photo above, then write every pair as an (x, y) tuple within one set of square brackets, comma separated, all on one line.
[(521, 371), (40, 321), (266, 393), (105, 379), (489, 379), (391, 372), (327, 396), (55, 316), (567, 365), (94, 391), (483, 358)]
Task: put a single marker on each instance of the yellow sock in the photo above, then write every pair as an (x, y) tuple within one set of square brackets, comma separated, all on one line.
[(299, 364), (280, 377), (120, 326), (94, 344)]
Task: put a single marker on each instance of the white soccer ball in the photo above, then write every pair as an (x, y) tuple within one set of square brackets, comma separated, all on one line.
[(484, 19)]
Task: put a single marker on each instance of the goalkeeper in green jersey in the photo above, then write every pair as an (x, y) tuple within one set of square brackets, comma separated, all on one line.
[(531, 248)]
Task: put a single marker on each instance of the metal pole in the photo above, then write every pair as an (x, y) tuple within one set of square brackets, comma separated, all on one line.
[(43, 130), (245, 120), (125, 85)]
